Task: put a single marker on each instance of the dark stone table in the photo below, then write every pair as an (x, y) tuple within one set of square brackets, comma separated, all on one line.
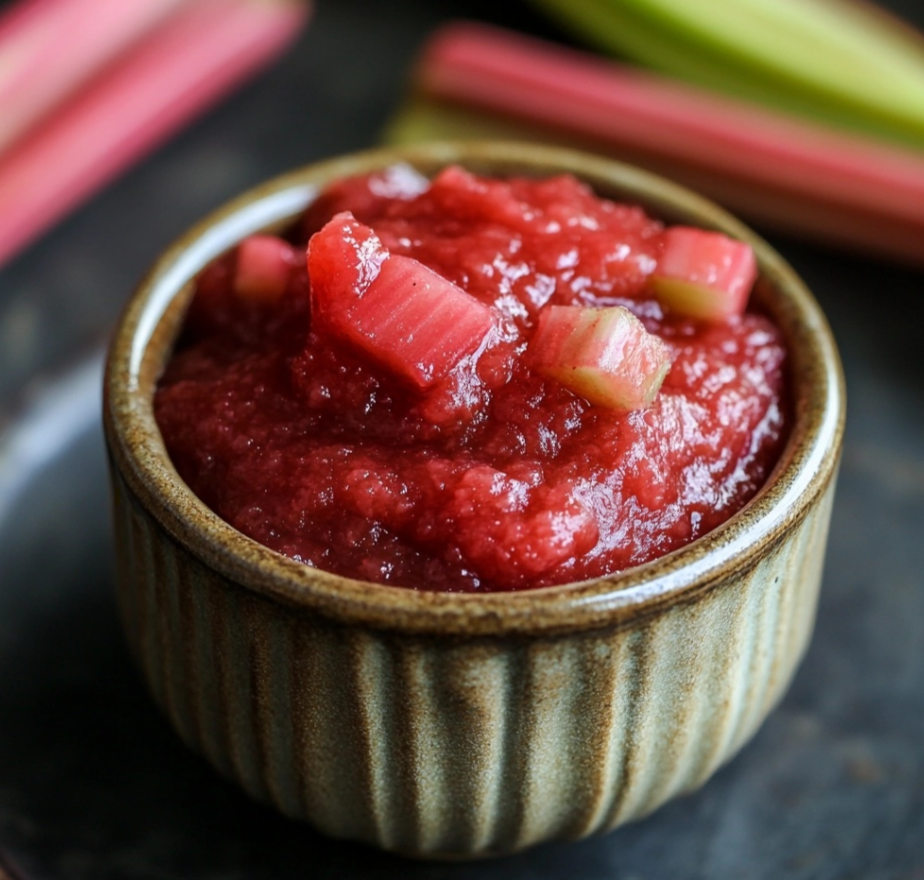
[(93, 783)]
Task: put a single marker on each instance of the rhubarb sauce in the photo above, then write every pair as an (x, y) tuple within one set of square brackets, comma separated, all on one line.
[(491, 477)]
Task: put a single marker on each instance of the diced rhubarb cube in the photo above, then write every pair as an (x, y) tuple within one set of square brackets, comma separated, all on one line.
[(704, 275), (605, 355), (399, 312), (264, 265)]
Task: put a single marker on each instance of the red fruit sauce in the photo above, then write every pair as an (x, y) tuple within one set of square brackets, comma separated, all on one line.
[(491, 478)]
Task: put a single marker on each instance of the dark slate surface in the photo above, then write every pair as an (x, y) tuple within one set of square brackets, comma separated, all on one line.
[(93, 784)]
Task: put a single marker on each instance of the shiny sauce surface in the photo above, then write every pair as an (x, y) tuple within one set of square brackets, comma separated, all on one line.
[(493, 478)]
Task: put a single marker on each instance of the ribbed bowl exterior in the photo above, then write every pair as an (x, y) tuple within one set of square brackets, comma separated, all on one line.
[(448, 725), (469, 746)]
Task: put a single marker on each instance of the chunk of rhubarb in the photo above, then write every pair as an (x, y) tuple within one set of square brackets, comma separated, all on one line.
[(344, 258), (704, 275), (263, 267), (396, 310), (604, 355)]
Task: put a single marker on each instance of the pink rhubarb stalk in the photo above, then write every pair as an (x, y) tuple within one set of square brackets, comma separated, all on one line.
[(796, 175), (186, 64), (49, 48)]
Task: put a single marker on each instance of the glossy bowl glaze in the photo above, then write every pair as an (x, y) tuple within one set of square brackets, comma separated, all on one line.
[(439, 724)]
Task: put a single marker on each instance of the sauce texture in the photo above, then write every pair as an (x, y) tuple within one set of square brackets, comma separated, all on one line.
[(491, 478)]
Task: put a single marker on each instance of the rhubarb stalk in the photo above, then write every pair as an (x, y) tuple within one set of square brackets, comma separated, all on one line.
[(793, 174), (49, 48), (835, 60), (195, 57)]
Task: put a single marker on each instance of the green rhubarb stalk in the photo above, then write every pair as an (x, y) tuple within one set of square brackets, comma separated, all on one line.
[(839, 62), (620, 31), (421, 120), (808, 46)]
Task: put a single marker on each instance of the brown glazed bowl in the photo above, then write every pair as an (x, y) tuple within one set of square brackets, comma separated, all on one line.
[(437, 724)]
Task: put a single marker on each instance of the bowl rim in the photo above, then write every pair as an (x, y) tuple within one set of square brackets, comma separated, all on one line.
[(807, 465)]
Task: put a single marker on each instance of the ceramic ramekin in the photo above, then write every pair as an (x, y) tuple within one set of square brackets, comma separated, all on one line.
[(464, 725)]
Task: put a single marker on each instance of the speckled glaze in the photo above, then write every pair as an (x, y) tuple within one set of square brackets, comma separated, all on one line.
[(445, 725)]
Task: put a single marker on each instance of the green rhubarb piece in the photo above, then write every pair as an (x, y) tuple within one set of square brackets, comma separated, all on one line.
[(703, 274), (604, 355)]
